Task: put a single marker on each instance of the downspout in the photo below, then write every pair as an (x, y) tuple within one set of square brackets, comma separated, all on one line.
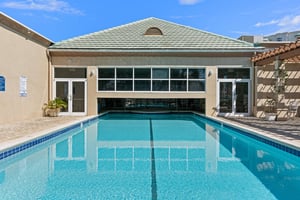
[(49, 74), (254, 85), (254, 88)]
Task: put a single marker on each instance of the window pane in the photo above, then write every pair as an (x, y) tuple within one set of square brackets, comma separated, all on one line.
[(234, 73), (142, 85), (106, 73), (160, 73), (124, 85), (160, 85), (178, 73), (178, 85), (142, 73), (70, 72), (106, 85), (124, 72), (196, 73), (196, 85)]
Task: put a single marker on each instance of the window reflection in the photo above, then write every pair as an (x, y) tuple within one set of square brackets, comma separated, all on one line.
[(178, 85), (124, 85), (142, 85), (142, 73), (108, 85), (178, 73), (160, 85), (196, 85), (124, 72), (160, 73)]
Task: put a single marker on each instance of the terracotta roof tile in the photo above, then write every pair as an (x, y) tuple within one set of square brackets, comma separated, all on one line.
[(276, 52)]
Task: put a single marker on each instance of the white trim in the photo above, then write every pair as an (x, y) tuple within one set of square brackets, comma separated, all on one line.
[(70, 84), (151, 79), (234, 82)]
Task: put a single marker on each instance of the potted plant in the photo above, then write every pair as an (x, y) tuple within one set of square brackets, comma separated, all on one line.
[(270, 109), (53, 107)]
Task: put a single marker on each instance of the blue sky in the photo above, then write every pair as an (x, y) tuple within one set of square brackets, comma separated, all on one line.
[(63, 19)]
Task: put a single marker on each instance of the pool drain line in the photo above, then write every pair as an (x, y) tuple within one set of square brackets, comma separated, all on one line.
[(153, 170)]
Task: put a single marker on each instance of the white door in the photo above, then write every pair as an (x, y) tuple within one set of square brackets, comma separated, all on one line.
[(74, 93), (233, 97)]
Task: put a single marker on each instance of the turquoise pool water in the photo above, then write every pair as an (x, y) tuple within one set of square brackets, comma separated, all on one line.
[(150, 156)]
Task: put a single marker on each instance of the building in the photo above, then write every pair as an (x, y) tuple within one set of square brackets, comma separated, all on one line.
[(23, 71), (147, 65), (153, 64), (272, 41), (285, 36)]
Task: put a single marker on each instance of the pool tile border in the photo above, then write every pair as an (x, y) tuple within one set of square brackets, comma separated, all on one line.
[(256, 136), (14, 150)]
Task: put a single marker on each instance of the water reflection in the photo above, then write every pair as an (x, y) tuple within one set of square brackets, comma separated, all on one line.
[(193, 156)]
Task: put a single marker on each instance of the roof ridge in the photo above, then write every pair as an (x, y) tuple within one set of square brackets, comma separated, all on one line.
[(104, 30), (207, 32)]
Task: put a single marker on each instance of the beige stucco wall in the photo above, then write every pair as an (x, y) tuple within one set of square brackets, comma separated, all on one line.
[(93, 62), (22, 57)]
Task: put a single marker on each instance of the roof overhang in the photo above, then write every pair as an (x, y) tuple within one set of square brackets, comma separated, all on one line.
[(290, 52), (153, 52), (17, 27)]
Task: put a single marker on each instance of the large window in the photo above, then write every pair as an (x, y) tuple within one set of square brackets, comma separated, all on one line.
[(126, 104), (163, 79)]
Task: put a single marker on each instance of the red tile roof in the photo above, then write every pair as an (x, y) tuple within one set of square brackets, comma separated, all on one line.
[(284, 52)]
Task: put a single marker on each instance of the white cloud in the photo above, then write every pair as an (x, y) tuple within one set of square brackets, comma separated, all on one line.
[(189, 2), (260, 24), (285, 24), (43, 5)]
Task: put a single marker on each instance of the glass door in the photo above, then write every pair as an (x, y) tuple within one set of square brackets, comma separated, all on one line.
[(74, 93), (233, 97), (242, 97), (225, 97)]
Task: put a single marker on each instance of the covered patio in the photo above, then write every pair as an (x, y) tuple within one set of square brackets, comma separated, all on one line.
[(277, 82)]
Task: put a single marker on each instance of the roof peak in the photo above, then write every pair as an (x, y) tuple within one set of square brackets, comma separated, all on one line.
[(132, 36)]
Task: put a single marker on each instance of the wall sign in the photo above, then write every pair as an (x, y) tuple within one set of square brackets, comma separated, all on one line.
[(2, 84), (23, 86)]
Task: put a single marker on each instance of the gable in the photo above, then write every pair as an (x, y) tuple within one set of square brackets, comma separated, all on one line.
[(163, 36)]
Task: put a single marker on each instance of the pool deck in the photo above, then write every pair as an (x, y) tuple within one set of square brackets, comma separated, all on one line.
[(12, 134), (284, 132)]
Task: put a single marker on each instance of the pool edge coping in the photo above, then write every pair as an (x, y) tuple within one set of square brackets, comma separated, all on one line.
[(10, 147), (10, 144), (255, 132)]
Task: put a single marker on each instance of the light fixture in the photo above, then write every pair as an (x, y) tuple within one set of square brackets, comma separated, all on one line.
[(92, 73), (209, 73)]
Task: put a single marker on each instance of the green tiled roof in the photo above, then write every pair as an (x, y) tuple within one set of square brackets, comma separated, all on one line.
[(132, 37)]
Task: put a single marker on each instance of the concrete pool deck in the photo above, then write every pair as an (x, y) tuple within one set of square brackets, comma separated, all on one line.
[(287, 132), (12, 134)]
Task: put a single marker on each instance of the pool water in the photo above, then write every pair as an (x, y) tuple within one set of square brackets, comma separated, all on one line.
[(151, 156)]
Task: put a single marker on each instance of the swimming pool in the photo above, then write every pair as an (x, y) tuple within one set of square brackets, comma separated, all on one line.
[(149, 156)]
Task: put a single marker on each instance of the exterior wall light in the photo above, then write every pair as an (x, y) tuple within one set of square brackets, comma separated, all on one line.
[(92, 73), (210, 72)]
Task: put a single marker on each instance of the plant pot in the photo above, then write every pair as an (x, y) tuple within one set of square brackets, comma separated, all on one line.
[(52, 112), (270, 116)]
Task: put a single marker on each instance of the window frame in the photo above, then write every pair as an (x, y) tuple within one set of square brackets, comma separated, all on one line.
[(152, 79)]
